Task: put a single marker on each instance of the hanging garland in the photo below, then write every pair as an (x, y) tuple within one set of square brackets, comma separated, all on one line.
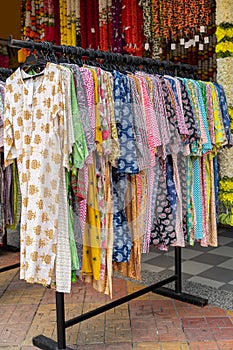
[(39, 19), (224, 52), (181, 31)]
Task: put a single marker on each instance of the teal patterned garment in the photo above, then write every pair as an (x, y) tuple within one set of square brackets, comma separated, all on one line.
[(202, 98), (205, 147), (189, 205)]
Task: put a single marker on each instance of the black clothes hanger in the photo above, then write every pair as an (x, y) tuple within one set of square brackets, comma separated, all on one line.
[(64, 58), (5, 73), (34, 63)]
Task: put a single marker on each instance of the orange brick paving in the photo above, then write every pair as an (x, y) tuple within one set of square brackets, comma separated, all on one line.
[(151, 322)]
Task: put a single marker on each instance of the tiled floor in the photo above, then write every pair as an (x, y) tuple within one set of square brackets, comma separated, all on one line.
[(150, 322), (208, 266)]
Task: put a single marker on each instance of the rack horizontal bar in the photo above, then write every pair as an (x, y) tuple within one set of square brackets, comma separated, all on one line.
[(115, 57), (10, 267), (117, 302), (187, 298)]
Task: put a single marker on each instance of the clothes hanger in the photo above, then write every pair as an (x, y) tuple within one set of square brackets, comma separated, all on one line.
[(34, 63), (64, 58)]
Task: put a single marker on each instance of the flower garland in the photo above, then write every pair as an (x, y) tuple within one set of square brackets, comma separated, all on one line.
[(224, 52), (63, 21), (224, 34), (78, 23), (181, 31), (38, 20)]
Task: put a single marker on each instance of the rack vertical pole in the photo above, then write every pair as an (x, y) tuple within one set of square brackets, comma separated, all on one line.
[(178, 282), (60, 311)]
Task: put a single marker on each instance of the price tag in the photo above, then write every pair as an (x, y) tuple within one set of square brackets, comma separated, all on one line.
[(201, 47), (197, 38), (206, 40), (202, 29), (93, 30), (182, 41), (147, 46), (191, 42), (173, 46), (186, 45)]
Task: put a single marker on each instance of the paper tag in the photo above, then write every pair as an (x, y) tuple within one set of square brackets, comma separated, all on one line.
[(160, 50), (173, 46), (182, 41), (206, 40), (186, 45), (202, 29), (197, 38), (93, 30), (191, 42), (147, 46), (201, 47)]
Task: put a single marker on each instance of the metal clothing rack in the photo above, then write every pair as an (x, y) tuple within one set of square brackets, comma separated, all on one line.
[(46, 343)]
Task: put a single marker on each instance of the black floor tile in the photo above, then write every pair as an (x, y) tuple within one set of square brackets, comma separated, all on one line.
[(228, 287), (226, 232), (198, 247), (218, 274), (186, 276), (210, 259), (162, 261)]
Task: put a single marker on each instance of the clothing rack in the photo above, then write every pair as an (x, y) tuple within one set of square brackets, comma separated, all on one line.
[(114, 59)]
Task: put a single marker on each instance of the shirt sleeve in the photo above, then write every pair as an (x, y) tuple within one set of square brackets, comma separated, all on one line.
[(66, 124), (10, 152)]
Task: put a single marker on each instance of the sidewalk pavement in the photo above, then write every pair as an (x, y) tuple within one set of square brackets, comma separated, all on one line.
[(150, 322)]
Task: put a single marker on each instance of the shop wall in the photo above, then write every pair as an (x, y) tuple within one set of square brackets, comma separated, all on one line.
[(10, 18)]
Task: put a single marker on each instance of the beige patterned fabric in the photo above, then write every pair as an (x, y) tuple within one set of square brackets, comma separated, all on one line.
[(37, 133)]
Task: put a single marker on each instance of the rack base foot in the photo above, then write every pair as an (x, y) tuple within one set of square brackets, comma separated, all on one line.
[(191, 299), (45, 343)]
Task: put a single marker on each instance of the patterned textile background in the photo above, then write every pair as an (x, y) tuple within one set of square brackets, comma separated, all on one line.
[(175, 30)]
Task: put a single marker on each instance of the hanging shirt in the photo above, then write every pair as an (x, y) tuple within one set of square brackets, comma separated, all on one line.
[(37, 132), (127, 162)]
